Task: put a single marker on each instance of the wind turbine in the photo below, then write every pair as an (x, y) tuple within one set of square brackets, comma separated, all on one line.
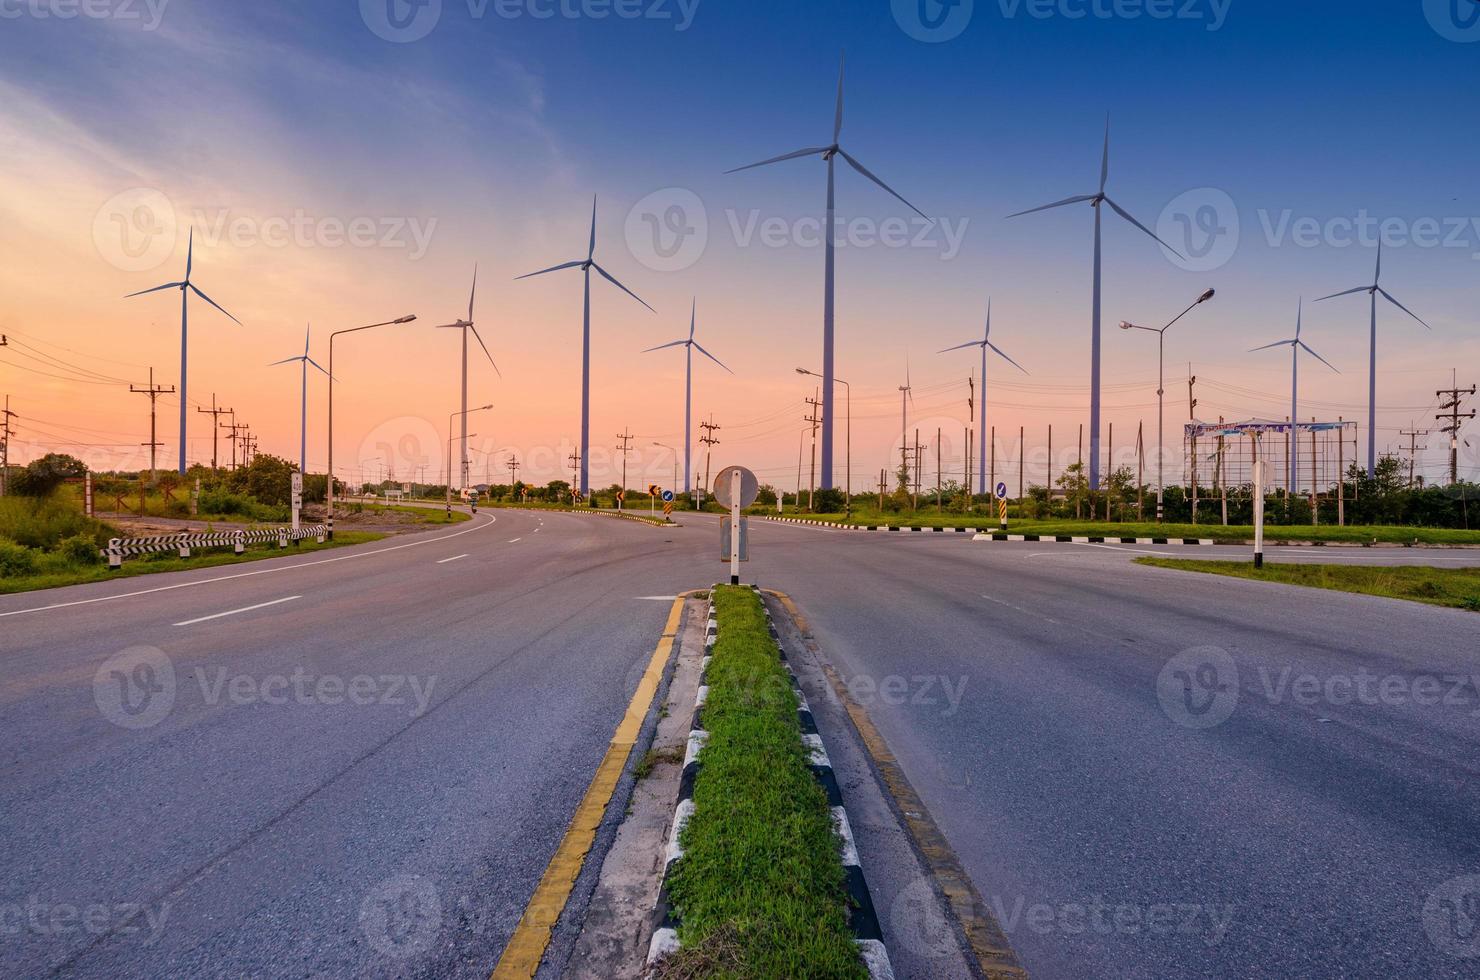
[(586, 265), (185, 288), (828, 153), (1374, 290), (306, 361), (1095, 200), (688, 398), (985, 343), (465, 326), (1295, 345)]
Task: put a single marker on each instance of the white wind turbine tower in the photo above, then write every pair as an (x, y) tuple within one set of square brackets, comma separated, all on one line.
[(465, 326), (985, 344), (828, 154), (586, 265), (1374, 290), (1095, 200), (306, 361), (186, 288), (1295, 346), (688, 399)]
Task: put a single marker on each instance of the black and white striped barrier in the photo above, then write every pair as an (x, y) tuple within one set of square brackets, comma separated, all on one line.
[(185, 542), (885, 528), (862, 917), (1096, 539)]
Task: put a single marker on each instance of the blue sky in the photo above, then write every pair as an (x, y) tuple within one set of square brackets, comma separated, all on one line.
[(501, 127)]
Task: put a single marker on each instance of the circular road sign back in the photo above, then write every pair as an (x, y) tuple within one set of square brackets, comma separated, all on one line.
[(1001, 491), (749, 486)]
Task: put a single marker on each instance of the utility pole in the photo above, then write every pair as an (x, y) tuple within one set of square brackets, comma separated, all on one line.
[(513, 465), (1414, 448), (883, 486), (1022, 458), (238, 430), (815, 418), (709, 442), (575, 473), (970, 414), (918, 468), (5, 433), (1456, 396), (1192, 415), (939, 476), (626, 436), (215, 414), (153, 391)]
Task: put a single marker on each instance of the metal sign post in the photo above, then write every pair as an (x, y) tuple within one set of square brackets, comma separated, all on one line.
[(735, 488), (1259, 513), (297, 498)]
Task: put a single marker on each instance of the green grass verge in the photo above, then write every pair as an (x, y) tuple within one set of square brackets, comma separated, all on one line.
[(423, 515), (759, 889), (1215, 532), (1455, 587), (54, 572)]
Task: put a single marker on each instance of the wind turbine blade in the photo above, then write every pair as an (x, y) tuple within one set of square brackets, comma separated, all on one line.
[(1006, 358), (1345, 292), (591, 252), (676, 343), (485, 350), (838, 119), (1105, 159), (1277, 343), (1317, 356), (612, 279), (306, 334), (190, 254), (474, 294), (1299, 315), (970, 343), (168, 285), (213, 303), (810, 151), (1126, 215), (286, 360), (1389, 297), (319, 366), (712, 357), (865, 171), (1056, 204), (1377, 276), (693, 317), (988, 335), (553, 268)]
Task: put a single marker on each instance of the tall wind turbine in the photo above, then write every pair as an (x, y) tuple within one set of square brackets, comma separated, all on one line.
[(1374, 290), (465, 326), (306, 361), (586, 265), (1295, 345), (985, 344), (1095, 200), (185, 288), (688, 392), (828, 153)]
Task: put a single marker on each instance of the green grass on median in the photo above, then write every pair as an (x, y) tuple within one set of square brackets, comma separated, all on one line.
[(55, 571), (1149, 529), (1456, 587), (759, 889)]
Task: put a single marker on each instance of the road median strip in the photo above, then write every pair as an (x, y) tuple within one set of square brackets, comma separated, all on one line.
[(762, 877)]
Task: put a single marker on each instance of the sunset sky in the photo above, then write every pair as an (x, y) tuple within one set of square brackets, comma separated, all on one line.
[(338, 171)]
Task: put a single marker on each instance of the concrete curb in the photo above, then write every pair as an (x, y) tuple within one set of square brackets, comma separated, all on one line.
[(862, 917)]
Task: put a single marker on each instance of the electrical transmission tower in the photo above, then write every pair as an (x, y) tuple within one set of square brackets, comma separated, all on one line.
[(626, 436), (814, 417), (1413, 435), (709, 442), (6, 431)]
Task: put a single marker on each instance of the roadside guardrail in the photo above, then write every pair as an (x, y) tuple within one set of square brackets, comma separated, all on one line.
[(185, 542)]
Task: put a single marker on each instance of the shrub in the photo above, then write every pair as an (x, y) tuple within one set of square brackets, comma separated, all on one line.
[(16, 560), (80, 549)]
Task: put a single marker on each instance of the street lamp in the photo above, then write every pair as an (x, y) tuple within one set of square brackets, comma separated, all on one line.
[(329, 492), (675, 464), (454, 415), (848, 478), (1161, 336)]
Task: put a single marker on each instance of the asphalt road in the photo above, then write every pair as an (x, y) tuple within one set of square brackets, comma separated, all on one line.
[(359, 763)]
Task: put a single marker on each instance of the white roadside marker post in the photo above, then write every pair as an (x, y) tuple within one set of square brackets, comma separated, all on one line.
[(1259, 513), (735, 492)]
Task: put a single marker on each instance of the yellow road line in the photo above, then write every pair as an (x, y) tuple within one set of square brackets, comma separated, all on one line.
[(521, 957), (989, 944)]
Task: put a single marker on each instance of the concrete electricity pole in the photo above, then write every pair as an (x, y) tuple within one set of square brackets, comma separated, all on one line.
[(513, 465), (709, 442), (815, 418), (5, 433), (1414, 449), (154, 391), (575, 474), (215, 414), (1456, 397), (626, 436)]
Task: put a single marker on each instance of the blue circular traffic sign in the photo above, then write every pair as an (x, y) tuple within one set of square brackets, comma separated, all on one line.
[(1001, 491), (667, 496)]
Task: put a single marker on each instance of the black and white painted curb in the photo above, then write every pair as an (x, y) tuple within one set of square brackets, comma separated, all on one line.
[(184, 541), (886, 528), (863, 919), (1097, 539)]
